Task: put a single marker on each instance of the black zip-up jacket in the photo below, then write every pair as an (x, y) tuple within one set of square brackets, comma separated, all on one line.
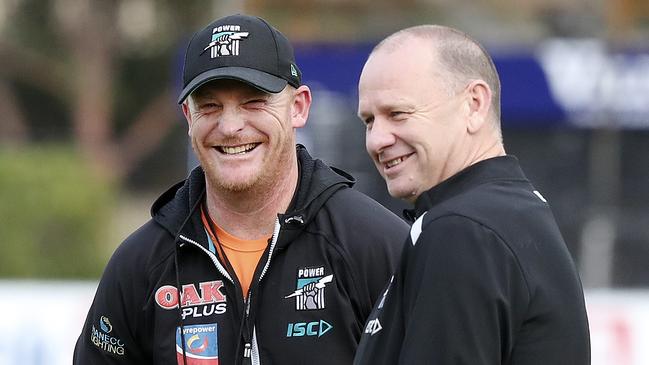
[(327, 262), (485, 279)]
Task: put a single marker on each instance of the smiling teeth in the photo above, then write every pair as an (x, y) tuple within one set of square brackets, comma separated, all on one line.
[(394, 162), (233, 150)]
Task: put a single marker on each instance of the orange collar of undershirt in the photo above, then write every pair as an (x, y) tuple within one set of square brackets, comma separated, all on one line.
[(228, 240)]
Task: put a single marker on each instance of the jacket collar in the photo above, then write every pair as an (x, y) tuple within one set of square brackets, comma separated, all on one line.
[(492, 169)]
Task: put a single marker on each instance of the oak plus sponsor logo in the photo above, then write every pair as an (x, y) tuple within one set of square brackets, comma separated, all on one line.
[(102, 339), (310, 292), (203, 301), (200, 345)]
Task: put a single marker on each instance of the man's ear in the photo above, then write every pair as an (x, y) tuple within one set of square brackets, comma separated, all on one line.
[(301, 106), (188, 115), (479, 102)]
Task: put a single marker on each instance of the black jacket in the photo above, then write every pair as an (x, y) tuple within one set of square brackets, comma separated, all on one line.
[(485, 279), (313, 289)]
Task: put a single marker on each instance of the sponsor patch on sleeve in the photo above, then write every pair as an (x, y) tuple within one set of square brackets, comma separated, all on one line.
[(104, 338), (201, 344)]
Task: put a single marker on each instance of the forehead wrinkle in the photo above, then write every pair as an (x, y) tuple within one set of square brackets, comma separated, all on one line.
[(212, 88)]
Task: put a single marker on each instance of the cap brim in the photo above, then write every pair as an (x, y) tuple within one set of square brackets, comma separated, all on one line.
[(261, 80)]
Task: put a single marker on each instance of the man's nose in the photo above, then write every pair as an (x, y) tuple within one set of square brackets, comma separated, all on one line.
[(231, 121), (379, 136)]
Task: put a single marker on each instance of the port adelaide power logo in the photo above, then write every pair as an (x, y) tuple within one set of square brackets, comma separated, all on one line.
[(311, 285), (225, 41)]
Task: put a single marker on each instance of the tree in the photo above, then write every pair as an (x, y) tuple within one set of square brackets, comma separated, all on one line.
[(69, 53)]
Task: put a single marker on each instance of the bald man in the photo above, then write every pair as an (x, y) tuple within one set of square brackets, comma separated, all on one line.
[(485, 276)]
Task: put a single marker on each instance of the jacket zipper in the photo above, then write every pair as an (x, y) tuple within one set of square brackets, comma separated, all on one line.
[(215, 261), (254, 348), (251, 349)]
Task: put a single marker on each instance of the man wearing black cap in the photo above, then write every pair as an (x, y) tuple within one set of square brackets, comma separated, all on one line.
[(263, 255)]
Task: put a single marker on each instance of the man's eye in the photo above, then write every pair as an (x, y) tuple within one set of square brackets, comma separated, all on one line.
[(368, 122), (255, 103), (397, 114), (208, 106)]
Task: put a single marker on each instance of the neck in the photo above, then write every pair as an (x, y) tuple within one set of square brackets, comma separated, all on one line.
[(493, 149), (480, 150), (486, 144), (251, 214)]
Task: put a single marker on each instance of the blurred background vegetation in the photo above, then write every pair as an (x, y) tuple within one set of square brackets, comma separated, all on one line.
[(54, 213), (90, 131)]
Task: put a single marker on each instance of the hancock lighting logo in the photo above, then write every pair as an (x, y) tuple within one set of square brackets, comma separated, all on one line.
[(310, 292), (211, 299), (225, 41), (103, 340), (201, 344)]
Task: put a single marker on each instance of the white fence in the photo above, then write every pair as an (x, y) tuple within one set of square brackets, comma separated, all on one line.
[(40, 323)]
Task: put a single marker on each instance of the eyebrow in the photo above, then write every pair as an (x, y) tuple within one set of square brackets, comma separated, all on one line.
[(246, 90), (387, 107)]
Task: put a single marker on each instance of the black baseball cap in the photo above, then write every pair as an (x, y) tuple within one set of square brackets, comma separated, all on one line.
[(240, 47)]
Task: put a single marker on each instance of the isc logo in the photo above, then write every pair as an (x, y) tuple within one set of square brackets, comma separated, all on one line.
[(301, 329)]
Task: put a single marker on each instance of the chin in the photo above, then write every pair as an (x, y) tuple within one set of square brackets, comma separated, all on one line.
[(397, 191), (237, 187), (407, 193), (235, 184)]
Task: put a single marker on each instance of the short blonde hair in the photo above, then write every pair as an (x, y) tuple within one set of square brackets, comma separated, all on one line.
[(461, 56)]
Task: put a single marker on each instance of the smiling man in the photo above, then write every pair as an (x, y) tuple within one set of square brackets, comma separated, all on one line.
[(485, 277), (263, 255)]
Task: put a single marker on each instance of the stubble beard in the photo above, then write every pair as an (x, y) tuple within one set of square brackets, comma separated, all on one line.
[(256, 182)]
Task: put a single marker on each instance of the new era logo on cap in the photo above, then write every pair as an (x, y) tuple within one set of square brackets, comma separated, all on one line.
[(243, 48)]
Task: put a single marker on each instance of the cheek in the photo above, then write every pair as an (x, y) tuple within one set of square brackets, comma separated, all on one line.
[(193, 125), (370, 149), (194, 132), (200, 128)]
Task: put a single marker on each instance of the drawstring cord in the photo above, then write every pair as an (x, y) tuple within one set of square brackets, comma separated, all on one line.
[(178, 287), (180, 312)]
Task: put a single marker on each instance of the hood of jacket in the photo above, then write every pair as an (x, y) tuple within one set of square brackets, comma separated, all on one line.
[(177, 209)]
